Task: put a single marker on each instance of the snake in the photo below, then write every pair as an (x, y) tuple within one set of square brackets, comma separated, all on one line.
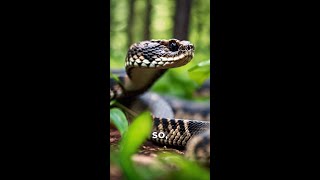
[(145, 63)]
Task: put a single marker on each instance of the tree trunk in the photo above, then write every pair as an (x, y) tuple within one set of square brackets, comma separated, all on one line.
[(130, 22), (148, 10), (181, 19)]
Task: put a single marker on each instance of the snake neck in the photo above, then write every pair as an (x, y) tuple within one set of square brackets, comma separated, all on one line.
[(139, 80)]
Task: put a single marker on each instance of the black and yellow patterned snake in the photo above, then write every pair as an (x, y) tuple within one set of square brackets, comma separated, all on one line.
[(147, 61)]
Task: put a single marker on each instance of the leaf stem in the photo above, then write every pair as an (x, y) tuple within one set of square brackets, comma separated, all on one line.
[(126, 109)]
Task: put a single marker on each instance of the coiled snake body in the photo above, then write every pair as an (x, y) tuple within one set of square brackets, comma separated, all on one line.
[(145, 63)]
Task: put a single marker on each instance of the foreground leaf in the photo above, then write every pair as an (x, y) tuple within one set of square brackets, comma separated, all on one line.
[(114, 77), (201, 65), (187, 169), (118, 118), (137, 133), (200, 72), (112, 102)]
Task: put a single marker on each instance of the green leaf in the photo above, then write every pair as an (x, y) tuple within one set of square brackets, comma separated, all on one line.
[(112, 102), (200, 72), (119, 120), (115, 77), (187, 169), (174, 83), (201, 65), (137, 133)]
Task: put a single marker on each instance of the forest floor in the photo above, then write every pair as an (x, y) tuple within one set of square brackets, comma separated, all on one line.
[(145, 156)]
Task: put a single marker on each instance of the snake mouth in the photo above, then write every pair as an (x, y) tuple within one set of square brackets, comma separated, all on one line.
[(177, 61), (160, 54)]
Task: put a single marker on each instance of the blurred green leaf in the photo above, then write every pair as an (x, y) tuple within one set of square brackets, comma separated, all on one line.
[(174, 83), (200, 72), (186, 169), (112, 102), (138, 132), (202, 65), (114, 77), (119, 120)]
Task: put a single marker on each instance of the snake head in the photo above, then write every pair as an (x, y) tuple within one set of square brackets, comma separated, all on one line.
[(160, 54)]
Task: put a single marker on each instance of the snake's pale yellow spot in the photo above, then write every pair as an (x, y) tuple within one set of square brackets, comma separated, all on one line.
[(153, 64), (181, 56), (160, 63), (138, 61), (176, 58), (136, 64), (131, 59), (164, 59), (170, 59), (146, 61), (141, 57), (144, 65), (186, 127), (135, 57)]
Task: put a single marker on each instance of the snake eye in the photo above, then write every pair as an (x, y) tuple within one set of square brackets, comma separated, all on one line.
[(173, 46)]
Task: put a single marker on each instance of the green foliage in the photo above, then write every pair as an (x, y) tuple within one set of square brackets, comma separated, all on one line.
[(180, 82), (200, 72), (132, 139), (137, 133), (162, 23), (114, 77), (177, 82), (112, 103), (186, 169), (118, 118)]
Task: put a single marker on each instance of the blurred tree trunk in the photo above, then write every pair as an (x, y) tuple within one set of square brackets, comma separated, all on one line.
[(130, 22), (112, 7), (181, 19), (147, 20)]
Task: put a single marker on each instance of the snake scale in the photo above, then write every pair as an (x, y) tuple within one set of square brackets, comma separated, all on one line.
[(145, 62)]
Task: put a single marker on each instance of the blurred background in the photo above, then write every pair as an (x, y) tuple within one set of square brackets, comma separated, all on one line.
[(137, 20)]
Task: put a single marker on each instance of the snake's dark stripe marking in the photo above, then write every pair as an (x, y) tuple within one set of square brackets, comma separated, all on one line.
[(173, 123), (156, 122), (165, 123), (181, 125)]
